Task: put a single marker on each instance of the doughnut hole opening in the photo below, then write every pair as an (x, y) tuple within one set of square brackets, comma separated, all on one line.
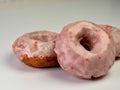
[(42, 36), (86, 43), (88, 39)]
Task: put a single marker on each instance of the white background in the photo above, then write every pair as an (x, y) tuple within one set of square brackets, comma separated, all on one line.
[(20, 16)]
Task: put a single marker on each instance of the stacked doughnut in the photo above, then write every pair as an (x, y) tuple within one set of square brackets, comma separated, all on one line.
[(82, 48)]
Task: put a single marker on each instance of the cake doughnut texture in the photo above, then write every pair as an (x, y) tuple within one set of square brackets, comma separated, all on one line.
[(114, 34), (85, 50), (36, 49)]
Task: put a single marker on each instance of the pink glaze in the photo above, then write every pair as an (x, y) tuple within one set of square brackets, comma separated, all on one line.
[(74, 58), (39, 43), (114, 33)]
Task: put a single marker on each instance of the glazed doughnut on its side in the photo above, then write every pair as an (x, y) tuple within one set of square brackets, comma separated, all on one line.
[(36, 49), (85, 50)]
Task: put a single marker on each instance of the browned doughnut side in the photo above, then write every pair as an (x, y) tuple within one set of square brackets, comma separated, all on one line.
[(40, 61)]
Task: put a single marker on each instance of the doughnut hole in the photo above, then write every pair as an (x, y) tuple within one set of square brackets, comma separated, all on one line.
[(88, 39), (43, 37), (86, 43)]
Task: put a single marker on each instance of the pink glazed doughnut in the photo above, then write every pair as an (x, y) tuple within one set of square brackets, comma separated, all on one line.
[(85, 50), (36, 49), (114, 34)]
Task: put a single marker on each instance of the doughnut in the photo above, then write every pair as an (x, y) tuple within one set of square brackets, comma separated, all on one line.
[(114, 33), (85, 50), (36, 49)]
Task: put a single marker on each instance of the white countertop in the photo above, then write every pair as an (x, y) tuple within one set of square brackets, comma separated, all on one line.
[(20, 16)]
